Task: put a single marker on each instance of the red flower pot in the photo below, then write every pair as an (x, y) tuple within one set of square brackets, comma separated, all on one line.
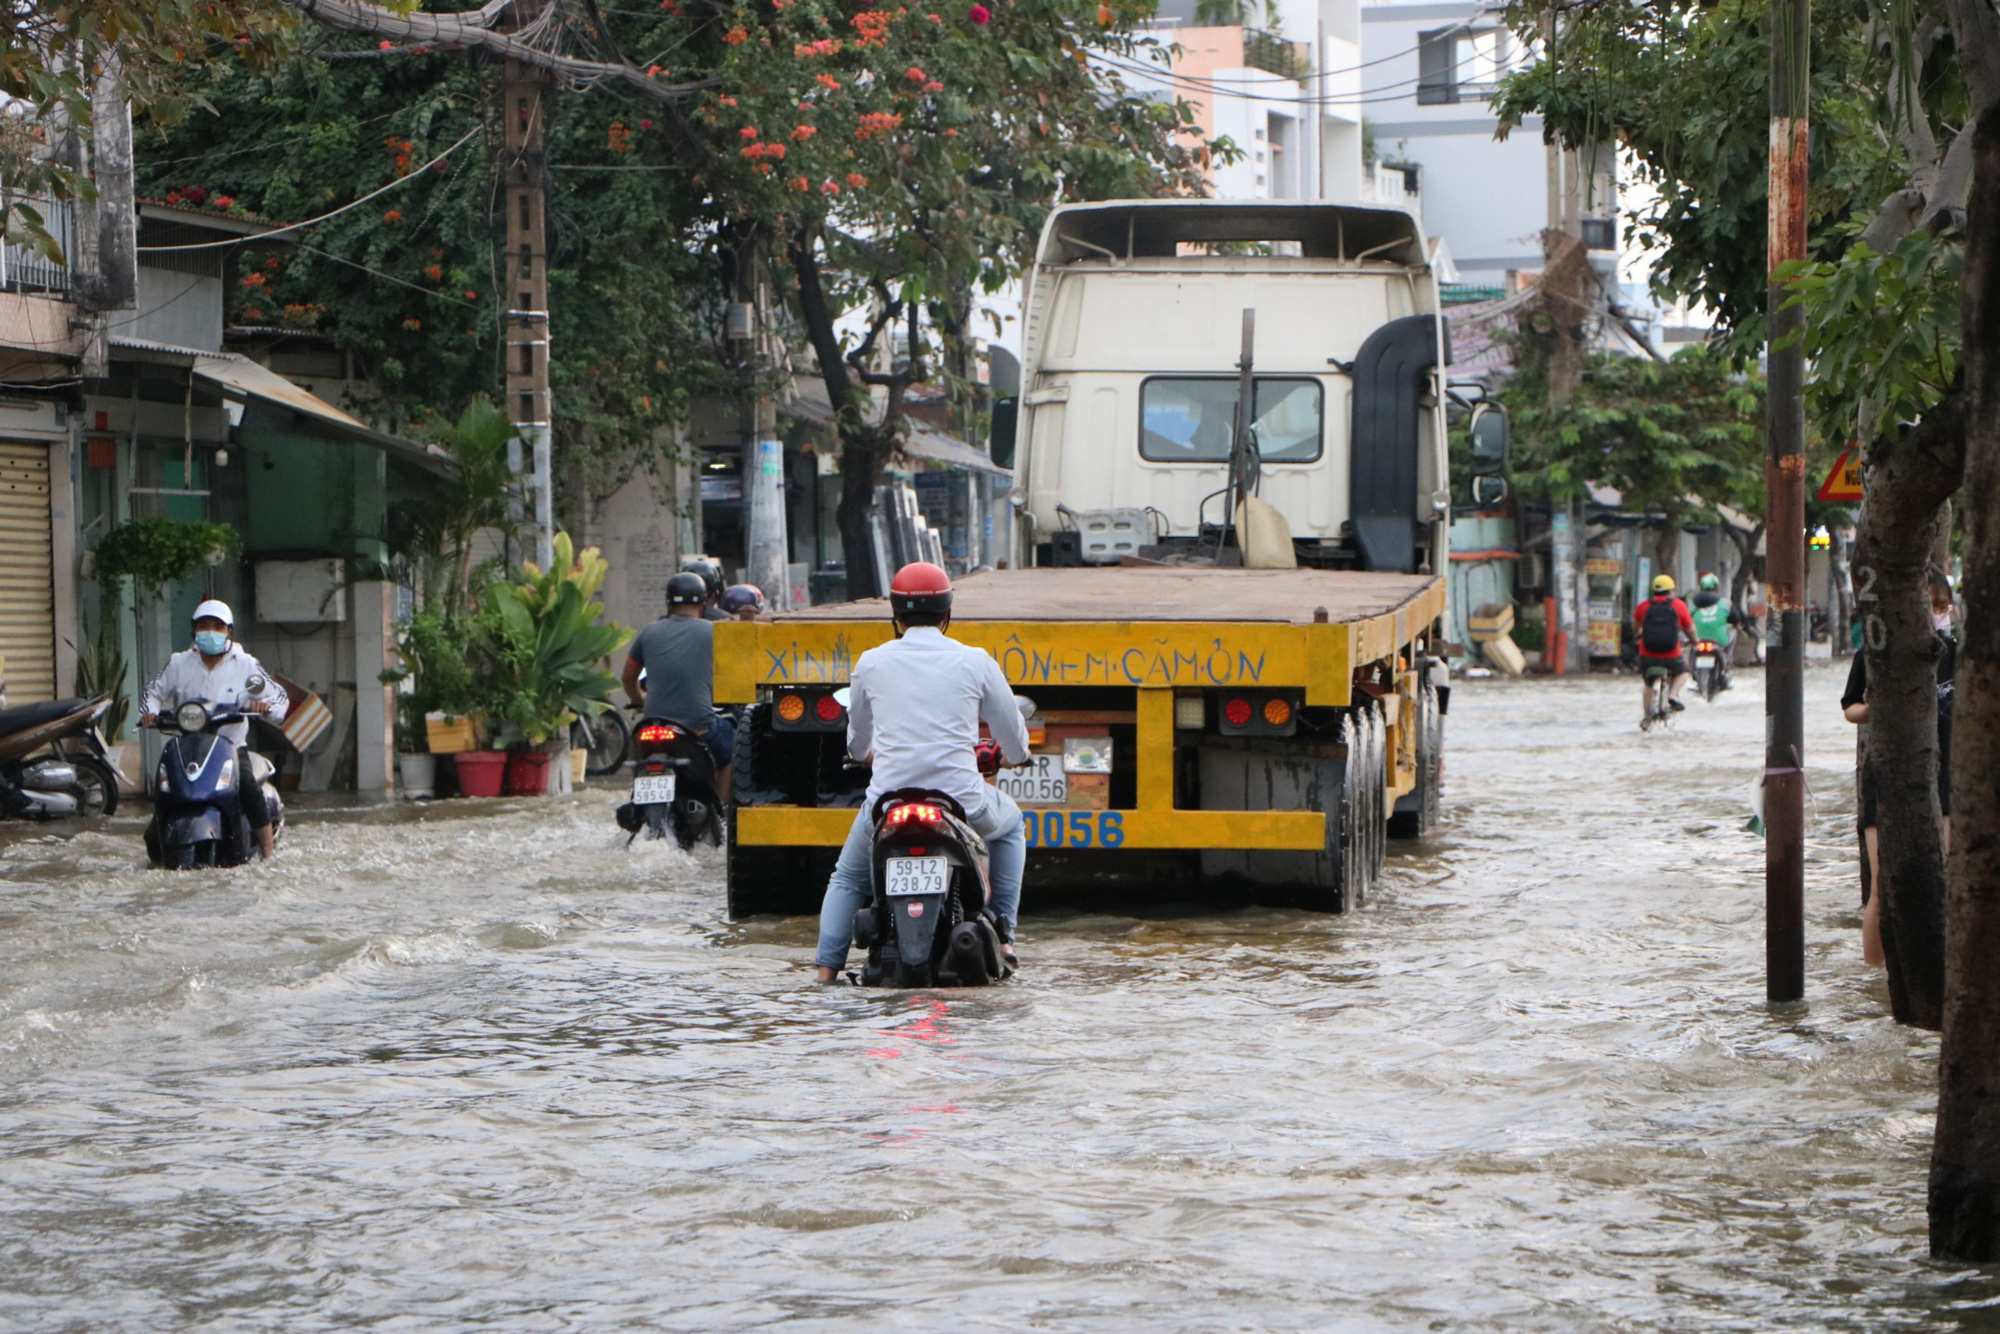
[(481, 772), (528, 773)]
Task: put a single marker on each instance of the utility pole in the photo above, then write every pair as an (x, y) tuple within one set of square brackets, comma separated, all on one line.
[(764, 542), (525, 329), (1785, 491)]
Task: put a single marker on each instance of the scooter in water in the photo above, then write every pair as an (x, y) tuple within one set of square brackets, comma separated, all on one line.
[(673, 787), (930, 922), (197, 820), (40, 776), (1711, 674)]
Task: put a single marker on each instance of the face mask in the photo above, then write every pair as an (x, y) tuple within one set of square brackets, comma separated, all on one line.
[(1942, 620), (212, 642)]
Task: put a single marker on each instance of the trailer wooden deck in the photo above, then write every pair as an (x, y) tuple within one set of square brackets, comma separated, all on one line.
[(1158, 593)]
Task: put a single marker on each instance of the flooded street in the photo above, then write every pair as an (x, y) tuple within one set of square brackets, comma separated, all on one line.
[(478, 1065)]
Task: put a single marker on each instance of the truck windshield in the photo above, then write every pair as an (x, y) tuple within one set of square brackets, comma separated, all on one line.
[(1184, 419)]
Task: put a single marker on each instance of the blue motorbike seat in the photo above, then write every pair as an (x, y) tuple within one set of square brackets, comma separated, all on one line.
[(24, 716)]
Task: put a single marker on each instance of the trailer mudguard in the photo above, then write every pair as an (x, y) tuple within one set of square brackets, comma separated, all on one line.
[(1389, 374)]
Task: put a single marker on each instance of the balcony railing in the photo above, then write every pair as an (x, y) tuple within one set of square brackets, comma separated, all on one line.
[(23, 270), (1274, 55)]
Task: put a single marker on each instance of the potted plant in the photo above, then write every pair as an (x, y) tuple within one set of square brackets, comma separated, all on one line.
[(436, 650), (544, 648)]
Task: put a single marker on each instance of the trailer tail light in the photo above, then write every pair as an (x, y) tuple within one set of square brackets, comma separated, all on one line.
[(656, 734), (808, 710), (829, 709), (1259, 713), (922, 812), (791, 708)]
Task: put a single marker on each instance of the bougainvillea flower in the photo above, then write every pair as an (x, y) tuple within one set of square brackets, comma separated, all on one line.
[(980, 14)]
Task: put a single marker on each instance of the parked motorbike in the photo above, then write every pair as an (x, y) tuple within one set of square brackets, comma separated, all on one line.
[(673, 787), (52, 762), (197, 821), (1711, 673)]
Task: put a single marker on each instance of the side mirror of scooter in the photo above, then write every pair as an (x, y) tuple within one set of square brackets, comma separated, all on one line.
[(255, 685)]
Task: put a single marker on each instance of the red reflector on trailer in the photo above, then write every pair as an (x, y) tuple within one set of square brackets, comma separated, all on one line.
[(828, 709), (1237, 711)]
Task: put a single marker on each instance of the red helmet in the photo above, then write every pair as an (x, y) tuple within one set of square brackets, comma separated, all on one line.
[(920, 594)]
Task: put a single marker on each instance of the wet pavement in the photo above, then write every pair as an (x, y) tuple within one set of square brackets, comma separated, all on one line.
[(476, 1064)]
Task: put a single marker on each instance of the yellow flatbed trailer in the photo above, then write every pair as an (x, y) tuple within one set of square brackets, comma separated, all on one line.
[(1156, 689)]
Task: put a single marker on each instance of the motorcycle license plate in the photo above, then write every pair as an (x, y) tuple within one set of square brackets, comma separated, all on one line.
[(905, 876), (1704, 660), (653, 789), (1043, 784)]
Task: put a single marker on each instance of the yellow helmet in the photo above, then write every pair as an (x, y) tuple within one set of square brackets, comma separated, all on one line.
[(1663, 583)]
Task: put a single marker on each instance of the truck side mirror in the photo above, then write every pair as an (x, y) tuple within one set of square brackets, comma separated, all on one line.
[(1489, 440), (1000, 442)]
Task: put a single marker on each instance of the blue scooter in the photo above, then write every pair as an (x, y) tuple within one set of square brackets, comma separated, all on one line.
[(197, 818)]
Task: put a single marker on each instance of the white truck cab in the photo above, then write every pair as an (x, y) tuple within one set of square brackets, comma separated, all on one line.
[(1130, 382)]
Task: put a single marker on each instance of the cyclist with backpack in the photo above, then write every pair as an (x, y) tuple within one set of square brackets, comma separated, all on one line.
[(1665, 628)]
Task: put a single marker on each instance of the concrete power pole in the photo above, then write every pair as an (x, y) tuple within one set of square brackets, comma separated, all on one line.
[(764, 540), (524, 172), (1785, 489)]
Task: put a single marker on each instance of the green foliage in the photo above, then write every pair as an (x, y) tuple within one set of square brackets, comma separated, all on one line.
[(1881, 331), (544, 647), (437, 651), (1683, 87), (49, 55), (433, 533), (158, 553), (1678, 437), (100, 670)]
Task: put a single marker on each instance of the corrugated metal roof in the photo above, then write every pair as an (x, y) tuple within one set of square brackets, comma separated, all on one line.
[(922, 442), (241, 377)]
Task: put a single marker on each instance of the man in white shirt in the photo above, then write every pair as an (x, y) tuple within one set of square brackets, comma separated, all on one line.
[(914, 709), (217, 671)]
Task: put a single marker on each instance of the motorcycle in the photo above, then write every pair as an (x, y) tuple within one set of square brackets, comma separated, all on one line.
[(930, 922), (1711, 674), (673, 787), (40, 776), (197, 821)]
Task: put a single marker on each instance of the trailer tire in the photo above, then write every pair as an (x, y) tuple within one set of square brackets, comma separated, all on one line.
[(1417, 812), (1378, 796)]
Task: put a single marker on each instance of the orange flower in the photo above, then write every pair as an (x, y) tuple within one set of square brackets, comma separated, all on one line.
[(803, 132), (254, 280), (855, 180), (726, 101), (829, 189), (933, 87), (748, 131), (393, 215), (801, 183), (914, 75), (1104, 16), (386, 45), (736, 36), (434, 272), (826, 81), (413, 325), (471, 295)]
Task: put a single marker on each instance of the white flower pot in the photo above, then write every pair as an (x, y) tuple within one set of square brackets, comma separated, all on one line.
[(419, 773)]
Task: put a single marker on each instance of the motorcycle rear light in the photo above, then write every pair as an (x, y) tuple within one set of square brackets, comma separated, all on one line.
[(922, 812), (1277, 712), (653, 734), (828, 708), (792, 707), (1238, 712)]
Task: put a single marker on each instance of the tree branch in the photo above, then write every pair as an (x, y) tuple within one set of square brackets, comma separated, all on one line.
[(468, 32), (1975, 31)]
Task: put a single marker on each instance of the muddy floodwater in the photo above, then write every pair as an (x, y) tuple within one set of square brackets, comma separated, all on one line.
[(478, 1066)]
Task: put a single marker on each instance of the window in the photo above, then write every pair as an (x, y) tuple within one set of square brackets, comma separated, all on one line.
[(1437, 66), (1191, 420)]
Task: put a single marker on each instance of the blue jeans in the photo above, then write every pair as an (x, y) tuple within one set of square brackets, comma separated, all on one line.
[(720, 738), (851, 888)]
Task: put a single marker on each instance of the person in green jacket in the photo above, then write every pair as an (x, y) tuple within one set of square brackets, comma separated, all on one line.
[(1714, 619)]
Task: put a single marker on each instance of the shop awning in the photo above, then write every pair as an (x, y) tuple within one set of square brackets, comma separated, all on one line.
[(244, 380), (921, 441)]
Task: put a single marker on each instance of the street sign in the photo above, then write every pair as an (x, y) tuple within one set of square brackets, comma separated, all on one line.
[(1844, 482)]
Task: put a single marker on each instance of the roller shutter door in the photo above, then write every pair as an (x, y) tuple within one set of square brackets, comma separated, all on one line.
[(27, 573)]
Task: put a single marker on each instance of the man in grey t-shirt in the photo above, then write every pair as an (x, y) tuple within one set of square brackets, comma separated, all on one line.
[(678, 653)]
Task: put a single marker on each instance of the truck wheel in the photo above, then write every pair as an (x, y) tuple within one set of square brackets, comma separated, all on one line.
[(1378, 785), (770, 768), (1417, 813)]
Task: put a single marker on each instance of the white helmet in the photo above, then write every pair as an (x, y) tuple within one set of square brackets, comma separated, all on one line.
[(218, 609)]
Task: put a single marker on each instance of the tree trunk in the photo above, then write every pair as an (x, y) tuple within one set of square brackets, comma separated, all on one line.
[(1965, 1156), (861, 451), (1908, 480)]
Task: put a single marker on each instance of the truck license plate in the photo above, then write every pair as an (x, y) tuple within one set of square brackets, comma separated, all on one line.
[(1043, 784), (1704, 660), (653, 790), (907, 876)]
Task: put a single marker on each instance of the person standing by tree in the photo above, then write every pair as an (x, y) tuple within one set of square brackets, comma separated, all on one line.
[(1854, 707)]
